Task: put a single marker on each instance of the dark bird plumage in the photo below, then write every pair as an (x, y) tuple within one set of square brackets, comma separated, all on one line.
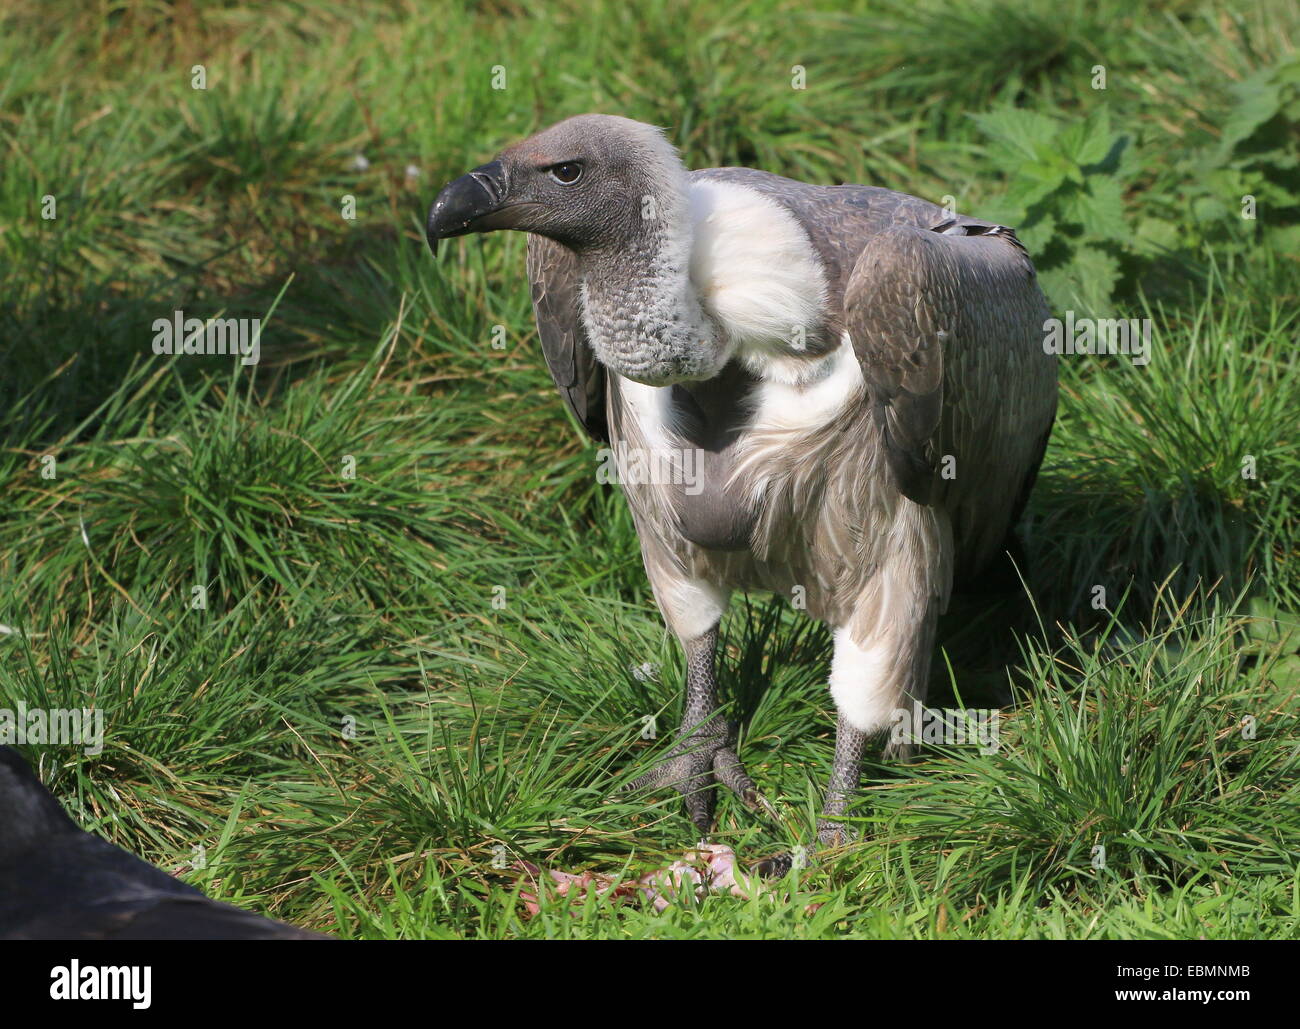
[(60, 883)]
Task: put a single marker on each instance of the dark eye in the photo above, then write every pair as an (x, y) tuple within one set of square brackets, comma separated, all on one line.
[(567, 174)]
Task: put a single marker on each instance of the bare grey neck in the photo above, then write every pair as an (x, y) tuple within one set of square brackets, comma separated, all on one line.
[(640, 307)]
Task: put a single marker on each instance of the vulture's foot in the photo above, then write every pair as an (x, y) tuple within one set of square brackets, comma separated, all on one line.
[(846, 777), (830, 835), (694, 766)]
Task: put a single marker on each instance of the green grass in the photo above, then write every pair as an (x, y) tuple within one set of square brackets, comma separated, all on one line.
[(396, 677)]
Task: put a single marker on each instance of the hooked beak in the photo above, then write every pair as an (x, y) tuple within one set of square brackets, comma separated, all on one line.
[(475, 202)]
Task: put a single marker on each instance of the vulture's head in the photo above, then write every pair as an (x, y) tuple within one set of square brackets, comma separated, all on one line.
[(594, 182)]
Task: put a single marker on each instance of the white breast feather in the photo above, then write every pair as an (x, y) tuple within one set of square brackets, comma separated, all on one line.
[(756, 273), (783, 407), (754, 270), (652, 407)]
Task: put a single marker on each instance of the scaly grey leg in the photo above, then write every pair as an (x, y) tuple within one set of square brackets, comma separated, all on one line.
[(844, 785), (845, 782), (704, 753)]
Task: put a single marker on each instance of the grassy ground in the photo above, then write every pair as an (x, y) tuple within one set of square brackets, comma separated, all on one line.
[(401, 678)]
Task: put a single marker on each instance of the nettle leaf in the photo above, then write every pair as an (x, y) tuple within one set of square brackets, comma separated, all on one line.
[(1285, 672), (1274, 196), (1273, 626), (1228, 183), (1283, 238), (1084, 285), (1268, 160), (1282, 160), (1025, 133), (1156, 236), (1210, 208), (1088, 141), (1101, 209), (1259, 98), (1050, 169), (1067, 179), (1005, 211), (1096, 272), (1118, 160), (1026, 193), (1039, 235)]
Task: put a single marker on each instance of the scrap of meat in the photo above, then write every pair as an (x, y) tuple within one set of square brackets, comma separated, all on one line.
[(710, 868)]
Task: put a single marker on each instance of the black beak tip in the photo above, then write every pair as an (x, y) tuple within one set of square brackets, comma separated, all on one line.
[(463, 201), (431, 228)]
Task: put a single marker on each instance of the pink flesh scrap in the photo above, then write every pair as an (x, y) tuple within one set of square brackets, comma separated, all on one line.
[(710, 867)]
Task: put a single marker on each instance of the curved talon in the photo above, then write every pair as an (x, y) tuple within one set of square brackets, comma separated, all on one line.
[(831, 835), (693, 767), (775, 867), (765, 807), (728, 770)]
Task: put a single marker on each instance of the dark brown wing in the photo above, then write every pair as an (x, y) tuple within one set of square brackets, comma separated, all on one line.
[(553, 273)]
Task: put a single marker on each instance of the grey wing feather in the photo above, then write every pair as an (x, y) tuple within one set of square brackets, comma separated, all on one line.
[(553, 273), (947, 325)]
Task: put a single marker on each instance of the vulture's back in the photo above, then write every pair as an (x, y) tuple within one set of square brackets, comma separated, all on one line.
[(946, 317)]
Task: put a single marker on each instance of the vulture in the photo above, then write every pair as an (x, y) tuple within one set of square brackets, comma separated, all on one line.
[(59, 883), (839, 394)]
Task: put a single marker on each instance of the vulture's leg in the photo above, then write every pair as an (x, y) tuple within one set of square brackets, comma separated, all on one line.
[(870, 684), (704, 753), (845, 782)]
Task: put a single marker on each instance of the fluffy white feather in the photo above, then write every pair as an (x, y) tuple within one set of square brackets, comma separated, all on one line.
[(653, 409), (756, 272), (833, 382), (862, 686)]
